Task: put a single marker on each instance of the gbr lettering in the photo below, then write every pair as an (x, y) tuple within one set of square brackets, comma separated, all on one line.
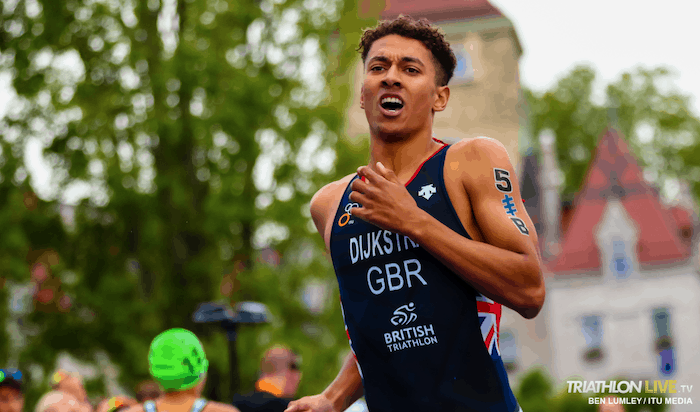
[(393, 276)]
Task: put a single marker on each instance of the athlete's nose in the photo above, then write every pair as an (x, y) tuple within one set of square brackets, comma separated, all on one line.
[(391, 78)]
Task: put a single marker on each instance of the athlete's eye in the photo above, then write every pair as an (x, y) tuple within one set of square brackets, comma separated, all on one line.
[(412, 70), (376, 68)]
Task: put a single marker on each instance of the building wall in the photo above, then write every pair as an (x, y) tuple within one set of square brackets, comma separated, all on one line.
[(628, 339), (532, 342), (485, 104)]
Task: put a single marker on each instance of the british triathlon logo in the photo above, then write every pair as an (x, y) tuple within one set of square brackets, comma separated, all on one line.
[(404, 315), (346, 218), (405, 337), (427, 191)]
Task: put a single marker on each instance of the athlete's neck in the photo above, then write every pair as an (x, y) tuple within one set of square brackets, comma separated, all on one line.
[(179, 397), (403, 156)]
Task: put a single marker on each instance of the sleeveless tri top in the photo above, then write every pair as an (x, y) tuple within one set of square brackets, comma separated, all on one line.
[(423, 338), (199, 404)]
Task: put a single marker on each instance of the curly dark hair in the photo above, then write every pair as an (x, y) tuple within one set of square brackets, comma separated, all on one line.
[(421, 30)]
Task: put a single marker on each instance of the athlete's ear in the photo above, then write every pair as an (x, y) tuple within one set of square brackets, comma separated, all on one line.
[(362, 97), (441, 98)]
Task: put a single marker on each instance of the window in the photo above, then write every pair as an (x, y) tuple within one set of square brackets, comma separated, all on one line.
[(664, 343), (662, 323), (464, 72), (592, 329), (620, 263), (509, 350)]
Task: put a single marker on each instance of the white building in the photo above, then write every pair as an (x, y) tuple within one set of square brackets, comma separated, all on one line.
[(623, 287)]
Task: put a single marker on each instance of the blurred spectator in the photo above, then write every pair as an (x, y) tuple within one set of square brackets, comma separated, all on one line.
[(148, 391), (58, 401), (69, 382), (612, 404), (115, 404), (176, 360), (11, 391), (279, 380)]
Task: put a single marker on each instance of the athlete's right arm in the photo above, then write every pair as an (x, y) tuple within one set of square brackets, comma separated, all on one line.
[(338, 396)]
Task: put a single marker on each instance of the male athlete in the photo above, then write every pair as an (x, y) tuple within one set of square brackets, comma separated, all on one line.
[(427, 242), (177, 361)]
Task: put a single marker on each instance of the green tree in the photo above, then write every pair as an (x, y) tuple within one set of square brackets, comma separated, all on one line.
[(189, 136), (655, 120), (572, 402), (535, 391)]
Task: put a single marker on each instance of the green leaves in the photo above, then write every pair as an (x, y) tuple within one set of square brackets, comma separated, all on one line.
[(654, 118), (188, 138)]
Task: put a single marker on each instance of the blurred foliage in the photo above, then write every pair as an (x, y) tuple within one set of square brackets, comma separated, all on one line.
[(536, 393), (185, 139), (654, 119)]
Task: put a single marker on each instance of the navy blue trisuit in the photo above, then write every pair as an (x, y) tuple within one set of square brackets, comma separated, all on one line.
[(423, 338)]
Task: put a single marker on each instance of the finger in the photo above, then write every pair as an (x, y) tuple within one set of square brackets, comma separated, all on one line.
[(386, 173), (369, 174), (357, 197), (381, 169), (359, 186), (297, 407), (360, 213)]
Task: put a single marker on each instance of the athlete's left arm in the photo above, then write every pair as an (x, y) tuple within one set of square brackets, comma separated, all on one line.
[(508, 262), (507, 266)]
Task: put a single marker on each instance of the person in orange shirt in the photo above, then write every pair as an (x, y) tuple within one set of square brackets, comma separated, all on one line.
[(278, 383)]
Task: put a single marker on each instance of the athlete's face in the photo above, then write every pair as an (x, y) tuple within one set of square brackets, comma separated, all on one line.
[(400, 94)]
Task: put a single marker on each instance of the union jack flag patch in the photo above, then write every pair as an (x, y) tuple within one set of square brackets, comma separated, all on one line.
[(490, 319)]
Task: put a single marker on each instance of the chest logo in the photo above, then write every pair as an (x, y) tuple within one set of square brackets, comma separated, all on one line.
[(346, 218), (403, 315), (427, 191)]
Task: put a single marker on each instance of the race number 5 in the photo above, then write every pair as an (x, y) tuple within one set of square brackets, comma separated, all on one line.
[(502, 182)]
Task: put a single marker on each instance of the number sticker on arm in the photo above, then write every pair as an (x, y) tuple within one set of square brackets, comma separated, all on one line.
[(504, 185), (502, 182)]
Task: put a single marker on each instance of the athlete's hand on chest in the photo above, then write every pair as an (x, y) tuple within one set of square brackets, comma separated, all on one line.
[(385, 201)]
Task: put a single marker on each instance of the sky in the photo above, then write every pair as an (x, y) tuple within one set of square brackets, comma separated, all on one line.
[(612, 36)]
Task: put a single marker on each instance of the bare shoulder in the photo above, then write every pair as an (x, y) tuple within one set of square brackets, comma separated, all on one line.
[(219, 407), (474, 160), (327, 199), (482, 149), (330, 191)]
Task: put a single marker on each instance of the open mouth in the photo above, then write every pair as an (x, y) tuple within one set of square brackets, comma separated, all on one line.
[(392, 104)]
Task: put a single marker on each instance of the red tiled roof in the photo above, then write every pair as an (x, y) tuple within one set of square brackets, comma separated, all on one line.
[(440, 10), (614, 172), (681, 216)]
